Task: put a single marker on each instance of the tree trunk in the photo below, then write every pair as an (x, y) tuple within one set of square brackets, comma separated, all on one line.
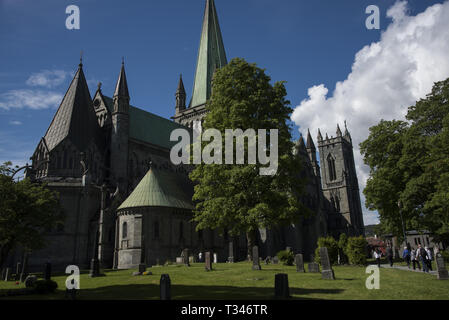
[(251, 242), (4, 253)]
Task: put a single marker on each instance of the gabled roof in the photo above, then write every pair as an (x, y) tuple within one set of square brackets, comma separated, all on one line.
[(211, 55), (160, 188), (75, 118), (148, 127)]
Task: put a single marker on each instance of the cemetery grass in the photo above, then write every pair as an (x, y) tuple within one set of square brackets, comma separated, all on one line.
[(239, 282)]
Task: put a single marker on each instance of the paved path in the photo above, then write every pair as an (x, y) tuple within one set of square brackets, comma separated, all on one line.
[(405, 268)]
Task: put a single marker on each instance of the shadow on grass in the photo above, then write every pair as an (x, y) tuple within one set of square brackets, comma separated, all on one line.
[(179, 292)]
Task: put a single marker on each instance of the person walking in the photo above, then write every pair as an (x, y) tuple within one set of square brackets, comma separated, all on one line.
[(377, 255), (414, 259), (389, 253), (429, 258), (422, 254), (406, 256)]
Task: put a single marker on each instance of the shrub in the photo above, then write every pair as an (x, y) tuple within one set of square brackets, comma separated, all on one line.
[(332, 249), (45, 286), (342, 245), (356, 250), (286, 257)]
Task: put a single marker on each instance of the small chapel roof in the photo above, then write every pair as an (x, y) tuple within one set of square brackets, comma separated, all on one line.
[(160, 188)]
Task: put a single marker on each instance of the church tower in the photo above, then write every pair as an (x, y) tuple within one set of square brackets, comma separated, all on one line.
[(120, 133), (211, 56), (340, 184)]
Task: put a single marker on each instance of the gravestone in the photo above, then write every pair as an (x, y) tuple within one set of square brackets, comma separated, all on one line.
[(326, 267), (442, 273), (179, 260), (185, 257), (314, 267), (7, 274), (256, 261), (165, 287), (281, 289), (299, 261), (29, 281), (157, 262), (208, 260), (142, 268), (192, 259), (231, 252), (275, 260), (267, 260), (215, 258), (47, 271)]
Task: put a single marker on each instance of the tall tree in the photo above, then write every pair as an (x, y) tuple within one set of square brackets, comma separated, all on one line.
[(27, 211), (236, 197), (409, 163)]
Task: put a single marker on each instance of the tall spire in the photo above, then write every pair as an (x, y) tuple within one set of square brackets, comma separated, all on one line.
[(338, 130), (320, 137), (310, 144), (180, 96), (121, 89), (211, 55)]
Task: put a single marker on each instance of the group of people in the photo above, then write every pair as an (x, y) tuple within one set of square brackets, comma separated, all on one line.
[(417, 257)]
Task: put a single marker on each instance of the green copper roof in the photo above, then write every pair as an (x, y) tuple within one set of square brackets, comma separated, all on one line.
[(211, 56), (148, 127), (160, 188)]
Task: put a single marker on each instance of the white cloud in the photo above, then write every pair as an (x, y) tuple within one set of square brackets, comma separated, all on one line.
[(48, 78), (386, 78), (15, 123), (33, 99)]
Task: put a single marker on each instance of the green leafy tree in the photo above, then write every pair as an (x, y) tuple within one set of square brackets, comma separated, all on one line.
[(409, 163), (236, 197), (27, 211)]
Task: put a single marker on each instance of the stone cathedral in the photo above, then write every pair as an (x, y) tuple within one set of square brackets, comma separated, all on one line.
[(124, 200)]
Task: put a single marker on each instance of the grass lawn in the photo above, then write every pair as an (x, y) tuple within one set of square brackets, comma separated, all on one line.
[(238, 282)]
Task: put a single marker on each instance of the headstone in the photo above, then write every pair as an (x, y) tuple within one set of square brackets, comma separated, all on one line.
[(7, 274), (18, 270), (29, 281), (442, 273), (231, 252), (47, 271), (327, 271), (215, 258), (192, 259), (208, 260), (179, 260), (281, 289), (267, 260), (314, 267), (142, 267), (157, 262), (256, 261), (299, 261), (185, 257), (165, 287), (275, 260)]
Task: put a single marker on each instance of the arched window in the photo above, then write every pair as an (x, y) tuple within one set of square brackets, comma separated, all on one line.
[(124, 230), (337, 204), (331, 167)]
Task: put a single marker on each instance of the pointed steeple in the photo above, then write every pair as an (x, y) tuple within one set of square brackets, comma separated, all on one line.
[(310, 144), (338, 130), (75, 118), (347, 134), (302, 144), (180, 96), (211, 55), (320, 137), (121, 88)]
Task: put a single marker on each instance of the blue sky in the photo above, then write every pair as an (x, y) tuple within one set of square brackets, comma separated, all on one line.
[(305, 43)]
